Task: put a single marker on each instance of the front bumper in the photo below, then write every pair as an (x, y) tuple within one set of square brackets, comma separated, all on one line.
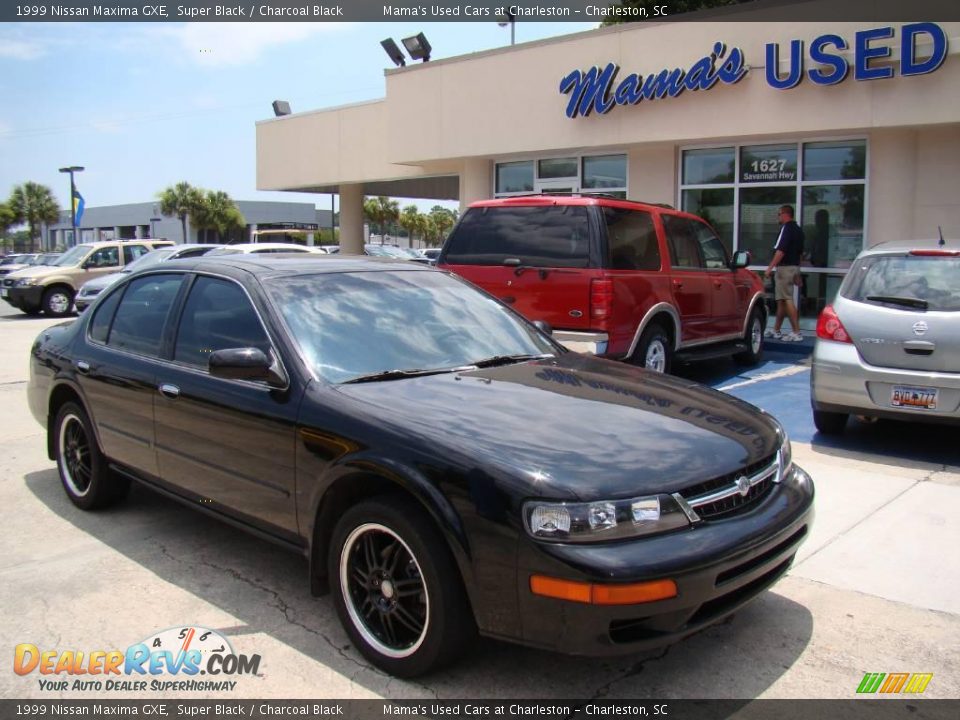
[(840, 381), (718, 567), (24, 298)]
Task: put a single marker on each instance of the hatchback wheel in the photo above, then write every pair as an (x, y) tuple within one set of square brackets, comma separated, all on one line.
[(397, 589), (87, 479), (830, 423), (57, 301)]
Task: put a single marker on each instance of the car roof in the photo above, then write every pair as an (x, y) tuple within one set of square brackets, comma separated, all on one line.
[(282, 264), (573, 199)]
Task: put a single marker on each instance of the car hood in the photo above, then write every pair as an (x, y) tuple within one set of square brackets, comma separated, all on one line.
[(36, 271), (99, 283), (575, 426)]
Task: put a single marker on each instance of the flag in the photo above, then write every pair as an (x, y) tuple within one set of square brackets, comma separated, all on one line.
[(77, 206)]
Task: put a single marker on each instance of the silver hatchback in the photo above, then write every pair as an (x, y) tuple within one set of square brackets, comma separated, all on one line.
[(889, 346)]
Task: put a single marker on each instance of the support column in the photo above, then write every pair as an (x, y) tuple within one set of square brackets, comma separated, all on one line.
[(351, 219), (476, 181)]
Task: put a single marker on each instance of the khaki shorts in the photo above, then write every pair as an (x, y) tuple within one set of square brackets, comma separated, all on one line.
[(786, 281)]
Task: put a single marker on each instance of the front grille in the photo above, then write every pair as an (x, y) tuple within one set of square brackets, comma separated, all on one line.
[(701, 497)]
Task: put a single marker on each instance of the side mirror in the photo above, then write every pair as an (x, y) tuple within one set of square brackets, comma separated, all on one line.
[(247, 363), (544, 327), (741, 259)]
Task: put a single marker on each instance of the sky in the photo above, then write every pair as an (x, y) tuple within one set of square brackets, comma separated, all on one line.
[(145, 105)]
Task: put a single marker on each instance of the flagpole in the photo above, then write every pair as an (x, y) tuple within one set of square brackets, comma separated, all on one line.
[(73, 193)]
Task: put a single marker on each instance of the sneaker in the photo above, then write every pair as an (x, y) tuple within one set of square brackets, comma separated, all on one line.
[(792, 337), (775, 334)]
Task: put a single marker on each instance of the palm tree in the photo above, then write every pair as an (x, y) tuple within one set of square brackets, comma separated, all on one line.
[(7, 220), (381, 210), (33, 204), (181, 200), (218, 212), (409, 221), (444, 220)]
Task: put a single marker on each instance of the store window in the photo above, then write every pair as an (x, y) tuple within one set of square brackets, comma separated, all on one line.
[(515, 177), (606, 174)]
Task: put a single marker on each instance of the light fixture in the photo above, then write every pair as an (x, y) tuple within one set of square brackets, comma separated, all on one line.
[(417, 47), (508, 18), (281, 107), (394, 52)]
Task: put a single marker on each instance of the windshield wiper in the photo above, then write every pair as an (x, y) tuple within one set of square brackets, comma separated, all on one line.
[(398, 374), (507, 360), (905, 301)]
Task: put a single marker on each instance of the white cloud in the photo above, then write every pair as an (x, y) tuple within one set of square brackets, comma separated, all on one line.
[(21, 49), (221, 44)]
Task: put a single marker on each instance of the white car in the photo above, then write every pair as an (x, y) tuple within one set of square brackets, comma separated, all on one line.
[(247, 248)]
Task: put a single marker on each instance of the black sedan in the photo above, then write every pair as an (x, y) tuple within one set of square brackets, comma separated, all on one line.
[(444, 465)]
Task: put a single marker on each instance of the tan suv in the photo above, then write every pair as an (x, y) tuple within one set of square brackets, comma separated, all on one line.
[(51, 288)]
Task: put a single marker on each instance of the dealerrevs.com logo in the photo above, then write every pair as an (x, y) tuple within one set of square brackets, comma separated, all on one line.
[(171, 660)]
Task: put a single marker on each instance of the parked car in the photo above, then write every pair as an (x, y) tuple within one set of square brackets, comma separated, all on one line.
[(626, 280), (444, 466), (19, 262), (265, 249), (89, 290), (50, 289), (889, 345)]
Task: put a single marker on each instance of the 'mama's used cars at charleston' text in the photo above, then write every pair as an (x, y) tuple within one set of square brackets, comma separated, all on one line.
[(444, 465)]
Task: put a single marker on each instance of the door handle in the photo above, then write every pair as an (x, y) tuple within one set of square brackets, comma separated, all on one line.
[(919, 347), (509, 299), (83, 366), (717, 284), (170, 391), (678, 284)]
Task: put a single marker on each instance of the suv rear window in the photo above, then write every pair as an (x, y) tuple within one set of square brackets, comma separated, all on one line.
[(887, 279), (553, 236)]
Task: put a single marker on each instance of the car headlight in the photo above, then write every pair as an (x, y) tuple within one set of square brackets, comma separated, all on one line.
[(88, 292), (603, 520), (784, 457), (25, 282)]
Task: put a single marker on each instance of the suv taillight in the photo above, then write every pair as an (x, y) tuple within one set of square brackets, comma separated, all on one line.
[(829, 326), (601, 299)]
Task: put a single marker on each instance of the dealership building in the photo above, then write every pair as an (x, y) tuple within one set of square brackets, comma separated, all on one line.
[(855, 123)]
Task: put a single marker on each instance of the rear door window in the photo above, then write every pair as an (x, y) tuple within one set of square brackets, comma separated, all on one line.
[(132, 252), (631, 240), (140, 319), (538, 236)]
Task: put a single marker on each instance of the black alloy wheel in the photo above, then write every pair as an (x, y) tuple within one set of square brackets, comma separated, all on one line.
[(86, 477)]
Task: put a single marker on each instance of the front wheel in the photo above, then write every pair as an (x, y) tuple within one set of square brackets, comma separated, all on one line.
[(57, 301), (654, 351), (753, 339), (86, 478), (397, 589)]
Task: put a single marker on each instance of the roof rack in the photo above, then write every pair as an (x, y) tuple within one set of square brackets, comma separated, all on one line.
[(609, 196)]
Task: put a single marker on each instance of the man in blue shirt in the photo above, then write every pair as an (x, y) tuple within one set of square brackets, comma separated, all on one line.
[(786, 260)]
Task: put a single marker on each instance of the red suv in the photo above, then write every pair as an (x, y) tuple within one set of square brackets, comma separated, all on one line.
[(627, 280)]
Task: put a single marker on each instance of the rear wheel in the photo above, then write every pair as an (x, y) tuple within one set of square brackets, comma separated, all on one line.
[(397, 589), (57, 301), (830, 423), (86, 478), (753, 339), (654, 351)]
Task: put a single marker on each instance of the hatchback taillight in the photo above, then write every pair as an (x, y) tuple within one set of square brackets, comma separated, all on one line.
[(829, 326), (601, 299)]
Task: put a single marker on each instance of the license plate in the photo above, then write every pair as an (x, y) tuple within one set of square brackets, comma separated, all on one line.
[(4, 292), (923, 398)]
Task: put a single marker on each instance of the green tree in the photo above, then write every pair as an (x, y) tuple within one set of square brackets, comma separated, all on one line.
[(7, 220), (218, 212), (410, 221), (443, 220), (381, 211), (33, 204), (674, 7), (181, 200)]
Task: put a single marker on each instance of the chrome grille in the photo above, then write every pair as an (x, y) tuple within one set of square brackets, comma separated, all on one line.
[(723, 496)]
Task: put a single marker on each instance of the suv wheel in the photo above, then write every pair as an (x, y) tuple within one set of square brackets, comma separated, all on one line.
[(653, 351), (753, 339), (57, 301), (397, 589)]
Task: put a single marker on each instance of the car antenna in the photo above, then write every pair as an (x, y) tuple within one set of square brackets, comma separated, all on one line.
[(940, 230)]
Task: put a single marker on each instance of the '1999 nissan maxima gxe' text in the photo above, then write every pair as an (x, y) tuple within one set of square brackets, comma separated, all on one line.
[(443, 464)]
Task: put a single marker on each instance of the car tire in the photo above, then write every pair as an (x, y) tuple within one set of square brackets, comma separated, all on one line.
[(830, 423), (654, 351), (86, 477), (57, 301), (397, 589), (753, 339)]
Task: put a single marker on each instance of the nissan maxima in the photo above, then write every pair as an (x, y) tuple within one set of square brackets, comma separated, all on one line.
[(444, 466)]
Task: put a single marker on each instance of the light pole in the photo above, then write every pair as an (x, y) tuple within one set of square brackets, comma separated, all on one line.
[(508, 18), (73, 191)]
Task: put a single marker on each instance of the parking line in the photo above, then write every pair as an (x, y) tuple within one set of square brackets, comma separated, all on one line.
[(784, 372)]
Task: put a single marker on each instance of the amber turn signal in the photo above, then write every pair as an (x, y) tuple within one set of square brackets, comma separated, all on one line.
[(595, 594)]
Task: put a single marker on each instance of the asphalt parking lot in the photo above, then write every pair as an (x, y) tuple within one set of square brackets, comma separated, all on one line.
[(876, 588)]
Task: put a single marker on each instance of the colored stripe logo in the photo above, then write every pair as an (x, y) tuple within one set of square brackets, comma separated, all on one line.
[(892, 683)]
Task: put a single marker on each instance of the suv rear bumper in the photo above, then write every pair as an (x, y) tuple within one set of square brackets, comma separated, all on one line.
[(583, 342)]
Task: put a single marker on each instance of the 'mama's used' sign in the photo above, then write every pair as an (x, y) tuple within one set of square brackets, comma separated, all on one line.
[(598, 89)]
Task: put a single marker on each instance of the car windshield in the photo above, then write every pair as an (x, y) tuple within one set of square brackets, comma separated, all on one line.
[(151, 258), (73, 256), (929, 282), (353, 325)]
